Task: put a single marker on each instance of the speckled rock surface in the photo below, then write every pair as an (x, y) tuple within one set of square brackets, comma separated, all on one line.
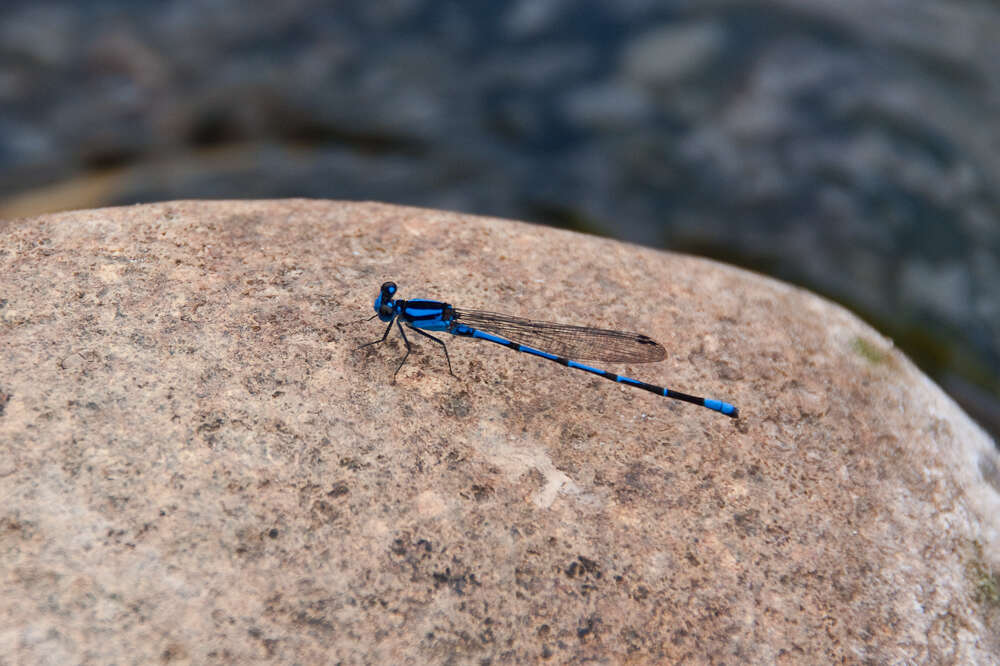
[(196, 466)]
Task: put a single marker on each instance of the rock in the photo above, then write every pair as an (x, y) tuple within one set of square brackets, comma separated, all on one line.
[(197, 465)]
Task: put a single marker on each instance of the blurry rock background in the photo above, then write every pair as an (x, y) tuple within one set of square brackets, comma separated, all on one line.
[(851, 147)]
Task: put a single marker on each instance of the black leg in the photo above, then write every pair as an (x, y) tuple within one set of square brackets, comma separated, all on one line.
[(358, 321), (440, 342), (407, 342), (382, 339)]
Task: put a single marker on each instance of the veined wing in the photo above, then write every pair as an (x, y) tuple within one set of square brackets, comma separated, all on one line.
[(575, 342)]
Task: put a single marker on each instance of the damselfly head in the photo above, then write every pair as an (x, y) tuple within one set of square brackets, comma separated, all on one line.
[(383, 302)]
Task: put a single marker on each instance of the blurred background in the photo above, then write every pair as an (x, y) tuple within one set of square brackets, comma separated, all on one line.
[(848, 146)]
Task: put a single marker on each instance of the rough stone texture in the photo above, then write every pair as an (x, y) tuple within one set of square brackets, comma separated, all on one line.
[(196, 466)]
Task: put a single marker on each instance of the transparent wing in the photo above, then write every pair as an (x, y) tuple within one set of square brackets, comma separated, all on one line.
[(574, 342)]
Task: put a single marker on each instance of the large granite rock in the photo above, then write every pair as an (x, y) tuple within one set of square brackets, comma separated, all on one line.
[(197, 466)]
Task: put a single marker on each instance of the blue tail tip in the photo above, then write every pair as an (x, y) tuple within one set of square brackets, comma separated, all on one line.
[(722, 407)]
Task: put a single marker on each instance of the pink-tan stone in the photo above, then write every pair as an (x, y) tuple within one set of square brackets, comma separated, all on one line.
[(196, 466)]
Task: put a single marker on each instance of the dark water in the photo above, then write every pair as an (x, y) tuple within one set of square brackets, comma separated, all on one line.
[(851, 147)]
